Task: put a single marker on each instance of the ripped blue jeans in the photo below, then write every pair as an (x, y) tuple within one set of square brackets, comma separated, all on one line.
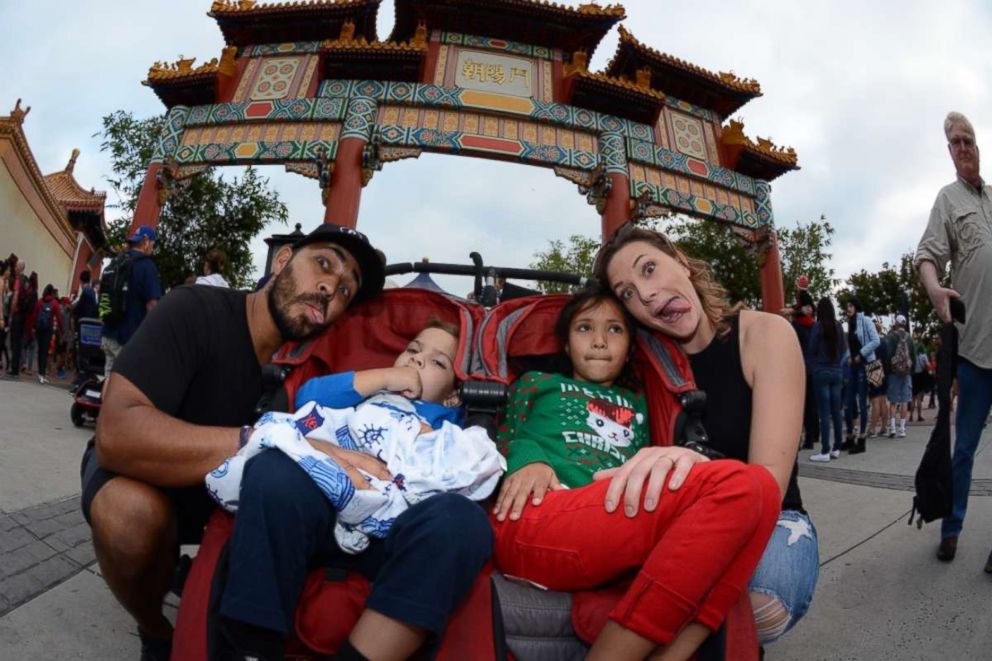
[(788, 570)]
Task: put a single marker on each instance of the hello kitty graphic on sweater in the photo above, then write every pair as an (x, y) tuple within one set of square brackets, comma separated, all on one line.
[(575, 427)]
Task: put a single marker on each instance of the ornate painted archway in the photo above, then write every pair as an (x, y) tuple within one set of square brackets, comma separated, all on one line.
[(309, 85)]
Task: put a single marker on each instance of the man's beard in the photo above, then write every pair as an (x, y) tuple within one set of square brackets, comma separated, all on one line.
[(282, 296)]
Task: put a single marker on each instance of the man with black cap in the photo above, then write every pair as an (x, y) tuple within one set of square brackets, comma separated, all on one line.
[(143, 292), (179, 400)]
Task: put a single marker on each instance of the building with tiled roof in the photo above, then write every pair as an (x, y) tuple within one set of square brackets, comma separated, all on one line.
[(50, 221)]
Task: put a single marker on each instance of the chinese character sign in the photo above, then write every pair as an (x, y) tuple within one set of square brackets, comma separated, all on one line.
[(479, 70)]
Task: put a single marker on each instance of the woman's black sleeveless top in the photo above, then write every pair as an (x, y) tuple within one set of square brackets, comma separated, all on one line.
[(727, 418)]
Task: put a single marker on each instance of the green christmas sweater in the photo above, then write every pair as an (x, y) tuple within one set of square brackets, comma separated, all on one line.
[(575, 427)]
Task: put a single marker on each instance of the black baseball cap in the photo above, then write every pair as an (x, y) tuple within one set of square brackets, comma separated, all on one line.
[(371, 262)]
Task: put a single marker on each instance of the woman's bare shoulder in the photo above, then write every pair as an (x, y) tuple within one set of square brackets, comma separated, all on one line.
[(763, 328)]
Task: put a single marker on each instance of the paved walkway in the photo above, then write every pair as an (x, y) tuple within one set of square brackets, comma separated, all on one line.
[(881, 592)]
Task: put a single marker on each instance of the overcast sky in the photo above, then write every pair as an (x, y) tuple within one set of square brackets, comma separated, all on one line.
[(859, 89)]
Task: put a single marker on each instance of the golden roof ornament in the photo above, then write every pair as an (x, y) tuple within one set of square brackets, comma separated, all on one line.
[(643, 77), (70, 166), (17, 115), (420, 35), (347, 31), (181, 68), (228, 61), (579, 62)]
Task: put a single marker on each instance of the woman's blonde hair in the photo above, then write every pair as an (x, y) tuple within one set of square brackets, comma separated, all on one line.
[(712, 295)]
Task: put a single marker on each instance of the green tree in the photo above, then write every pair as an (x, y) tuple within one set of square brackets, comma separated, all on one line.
[(733, 261), (893, 289), (203, 212), (575, 257)]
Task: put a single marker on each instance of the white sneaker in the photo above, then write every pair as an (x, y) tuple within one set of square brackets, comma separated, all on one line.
[(820, 456), (835, 454), (902, 432)]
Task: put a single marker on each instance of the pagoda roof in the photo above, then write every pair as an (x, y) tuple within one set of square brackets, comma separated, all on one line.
[(535, 22), (11, 129), (351, 56), (637, 101), (246, 22), (68, 192), (722, 91), (180, 83), (760, 159)]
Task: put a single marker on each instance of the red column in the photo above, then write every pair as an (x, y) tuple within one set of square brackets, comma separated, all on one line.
[(617, 210), (345, 192), (772, 288), (147, 210)]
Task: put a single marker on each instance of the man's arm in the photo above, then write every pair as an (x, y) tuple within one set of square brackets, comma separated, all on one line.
[(932, 255), (939, 296), (135, 439)]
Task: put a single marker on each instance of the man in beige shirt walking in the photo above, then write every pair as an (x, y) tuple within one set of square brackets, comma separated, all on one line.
[(960, 233)]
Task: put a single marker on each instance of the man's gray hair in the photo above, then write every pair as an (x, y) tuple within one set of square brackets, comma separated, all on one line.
[(956, 118)]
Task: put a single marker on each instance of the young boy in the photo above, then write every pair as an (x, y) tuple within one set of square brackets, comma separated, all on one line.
[(407, 415)]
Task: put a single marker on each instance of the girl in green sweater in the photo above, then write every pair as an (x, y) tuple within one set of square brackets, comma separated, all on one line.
[(559, 429), (691, 545)]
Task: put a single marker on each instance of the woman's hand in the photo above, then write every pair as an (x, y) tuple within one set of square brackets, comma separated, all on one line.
[(351, 461), (653, 465), (537, 479)]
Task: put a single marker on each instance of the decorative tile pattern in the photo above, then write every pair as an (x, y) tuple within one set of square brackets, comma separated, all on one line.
[(360, 118), (275, 79), (650, 154), (689, 137), (685, 106), (670, 198), (613, 152), (434, 95), (442, 64), (459, 141), (250, 72), (255, 152), (289, 48), (172, 134), (456, 39), (282, 109), (763, 203)]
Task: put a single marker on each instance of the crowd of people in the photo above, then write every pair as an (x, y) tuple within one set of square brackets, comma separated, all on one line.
[(873, 379), (682, 530), (38, 326)]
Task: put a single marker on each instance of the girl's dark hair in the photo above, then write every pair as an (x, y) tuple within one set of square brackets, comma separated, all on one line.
[(49, 290), (828, 322), (590, 295), (216, 260)]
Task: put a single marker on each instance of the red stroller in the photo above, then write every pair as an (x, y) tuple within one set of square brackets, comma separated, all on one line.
[(499, 619)]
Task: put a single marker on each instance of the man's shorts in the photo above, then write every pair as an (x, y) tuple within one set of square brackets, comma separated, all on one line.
[(111, 349), (191, 505)]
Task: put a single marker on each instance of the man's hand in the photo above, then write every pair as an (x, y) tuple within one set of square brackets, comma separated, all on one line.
[(537, 479), (404, 381), (351, 461), (653, 465), (941, 299)]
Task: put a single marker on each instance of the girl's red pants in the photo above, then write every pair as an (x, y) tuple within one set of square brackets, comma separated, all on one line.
[(692, 556)]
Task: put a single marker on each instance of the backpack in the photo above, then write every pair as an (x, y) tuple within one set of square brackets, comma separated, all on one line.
[(114, 282), (46, 317), (902, 363)]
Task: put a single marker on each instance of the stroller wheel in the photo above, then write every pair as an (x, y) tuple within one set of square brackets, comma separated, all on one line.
[(76, 414)]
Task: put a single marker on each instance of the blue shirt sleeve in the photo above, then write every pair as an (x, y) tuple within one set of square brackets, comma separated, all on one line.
[(436, 414), (146, 280), (336, 391)]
